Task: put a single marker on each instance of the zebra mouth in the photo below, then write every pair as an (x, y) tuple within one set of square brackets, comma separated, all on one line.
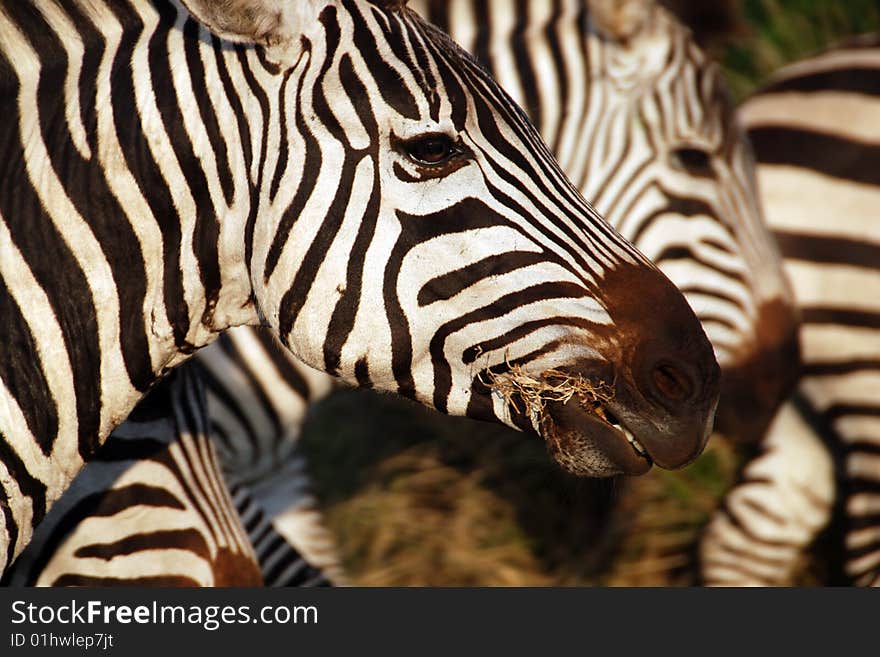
[(609, 418), (588, 439)]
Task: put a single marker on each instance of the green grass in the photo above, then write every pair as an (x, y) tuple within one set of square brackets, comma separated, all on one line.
[(782, 31)]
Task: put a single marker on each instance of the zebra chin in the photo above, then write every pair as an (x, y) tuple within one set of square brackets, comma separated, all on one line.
[(589, 441), (621, 414)]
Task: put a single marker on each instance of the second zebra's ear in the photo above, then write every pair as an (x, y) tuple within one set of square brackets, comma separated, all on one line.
[(270, 23), (620, 20)]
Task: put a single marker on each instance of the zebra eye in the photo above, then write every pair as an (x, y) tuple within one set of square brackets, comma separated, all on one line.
[(430, 149), (695, 161)]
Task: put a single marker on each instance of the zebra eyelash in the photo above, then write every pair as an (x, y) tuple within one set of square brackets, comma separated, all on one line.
[(432, 155)]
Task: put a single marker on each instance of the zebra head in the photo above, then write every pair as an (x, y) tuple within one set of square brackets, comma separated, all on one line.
[(640, 120), (416, 236), (683, 191)]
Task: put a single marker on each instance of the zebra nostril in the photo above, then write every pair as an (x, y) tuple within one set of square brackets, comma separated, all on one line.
[(672, 382)]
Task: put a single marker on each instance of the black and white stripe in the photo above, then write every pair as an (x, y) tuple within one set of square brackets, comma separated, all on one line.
[(151, 509), (640, 119), (280, 562), (159, 184), (815, 131)]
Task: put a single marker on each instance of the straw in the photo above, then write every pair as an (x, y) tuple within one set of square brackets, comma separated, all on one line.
[(550, 386)]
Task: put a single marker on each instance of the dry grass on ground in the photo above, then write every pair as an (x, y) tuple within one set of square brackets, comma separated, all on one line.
[(429, 500)]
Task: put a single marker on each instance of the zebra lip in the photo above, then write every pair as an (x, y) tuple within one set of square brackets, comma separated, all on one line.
[(578, 432)]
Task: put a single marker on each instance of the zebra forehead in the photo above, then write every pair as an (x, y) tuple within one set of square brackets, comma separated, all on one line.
[(427, 52), (620, 19)]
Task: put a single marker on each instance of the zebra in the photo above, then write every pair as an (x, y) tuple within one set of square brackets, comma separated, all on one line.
[(815, 136), (152, 508), (262, 393), (259, 393), (280, 489), (158, 465), (514, 42), (208, 165)]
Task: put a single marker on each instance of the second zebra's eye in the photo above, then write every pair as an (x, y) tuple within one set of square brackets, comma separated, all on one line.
[(430, 149), (695, 161)]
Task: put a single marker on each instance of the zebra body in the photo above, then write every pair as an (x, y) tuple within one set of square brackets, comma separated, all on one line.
[(151, 508), (815, 133), (304, 168), (834, 264), (759, 535)]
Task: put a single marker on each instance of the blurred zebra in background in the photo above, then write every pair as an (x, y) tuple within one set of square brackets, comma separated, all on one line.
[(212, 165), (782, 501), (816, 132), (258, 396), (151, 508)]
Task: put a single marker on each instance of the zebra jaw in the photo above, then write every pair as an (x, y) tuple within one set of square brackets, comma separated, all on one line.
[(587, 439)]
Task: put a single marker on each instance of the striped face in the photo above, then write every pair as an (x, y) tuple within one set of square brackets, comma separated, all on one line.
[(352, 174), (697, 217), (683, 191), (640, 121), (429, 245)]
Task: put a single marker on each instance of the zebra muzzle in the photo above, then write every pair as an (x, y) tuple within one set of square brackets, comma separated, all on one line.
[(654, 416), (587, 439)]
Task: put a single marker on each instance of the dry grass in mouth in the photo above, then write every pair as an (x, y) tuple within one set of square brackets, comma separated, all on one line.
[(518, 387)]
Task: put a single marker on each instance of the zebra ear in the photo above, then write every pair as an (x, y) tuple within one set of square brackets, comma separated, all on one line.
[(620, 20), (263, 22)]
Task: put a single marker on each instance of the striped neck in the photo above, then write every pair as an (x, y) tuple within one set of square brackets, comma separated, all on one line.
[(124, 207)]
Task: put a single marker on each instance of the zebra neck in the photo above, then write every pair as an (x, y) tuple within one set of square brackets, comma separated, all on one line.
[(132, 169)]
